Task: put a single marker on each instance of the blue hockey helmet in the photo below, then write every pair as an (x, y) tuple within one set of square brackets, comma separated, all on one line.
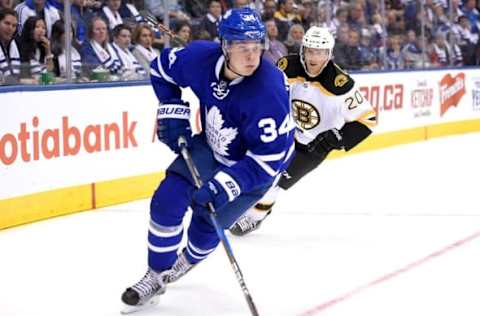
[(241, 24)]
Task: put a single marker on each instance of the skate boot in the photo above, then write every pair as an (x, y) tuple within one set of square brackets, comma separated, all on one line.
[(145, 293), (252, 220), (179, 268)]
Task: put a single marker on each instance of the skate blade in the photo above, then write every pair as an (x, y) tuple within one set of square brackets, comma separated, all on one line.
[(129, 309)]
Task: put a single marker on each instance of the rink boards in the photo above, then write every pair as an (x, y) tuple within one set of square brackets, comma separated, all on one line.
[(65, 149)]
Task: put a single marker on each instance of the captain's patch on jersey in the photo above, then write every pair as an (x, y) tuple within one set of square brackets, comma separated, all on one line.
[(340, 80), (282, 63), (305, 114)]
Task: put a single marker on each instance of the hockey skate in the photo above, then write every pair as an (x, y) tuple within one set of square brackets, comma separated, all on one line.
[(145, 293), (178, 270), (244, 225)]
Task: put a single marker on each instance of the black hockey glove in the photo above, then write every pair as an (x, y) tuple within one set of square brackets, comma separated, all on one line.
[(326, 141)]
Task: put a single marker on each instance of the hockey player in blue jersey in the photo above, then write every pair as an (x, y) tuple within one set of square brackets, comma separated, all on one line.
[(245, 143)]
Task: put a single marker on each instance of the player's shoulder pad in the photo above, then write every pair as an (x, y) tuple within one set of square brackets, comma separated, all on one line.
[(291, 66), (335, 80)]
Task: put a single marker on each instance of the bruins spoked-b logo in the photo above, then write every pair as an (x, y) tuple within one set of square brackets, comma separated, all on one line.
[(305, 115)]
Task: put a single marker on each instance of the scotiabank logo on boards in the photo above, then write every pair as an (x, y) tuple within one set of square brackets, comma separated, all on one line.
[(452, 89), (33, 143)]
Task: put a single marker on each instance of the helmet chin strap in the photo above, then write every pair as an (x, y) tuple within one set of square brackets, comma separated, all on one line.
[(227, 61), (319, 72)]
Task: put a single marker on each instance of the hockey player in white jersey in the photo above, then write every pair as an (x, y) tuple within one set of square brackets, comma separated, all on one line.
[(246, 141), (329, 111)]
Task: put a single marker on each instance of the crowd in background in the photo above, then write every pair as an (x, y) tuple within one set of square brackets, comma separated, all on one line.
[(117, 39)]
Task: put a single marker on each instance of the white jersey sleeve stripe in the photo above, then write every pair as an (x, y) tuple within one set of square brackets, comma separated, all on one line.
[(163, 74), (290, 152), (272, 157), (262, 164), (154, 73)]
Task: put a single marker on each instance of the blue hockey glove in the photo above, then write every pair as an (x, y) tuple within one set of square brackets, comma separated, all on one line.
[(219, 191), (326, 141), (172, 122)]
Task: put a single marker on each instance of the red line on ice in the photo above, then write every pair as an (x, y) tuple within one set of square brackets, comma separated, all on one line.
[(388, 276)]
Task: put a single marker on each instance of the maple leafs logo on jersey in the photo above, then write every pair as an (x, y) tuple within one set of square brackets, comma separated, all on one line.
[(220, 89), (219, 137), (172, 57)]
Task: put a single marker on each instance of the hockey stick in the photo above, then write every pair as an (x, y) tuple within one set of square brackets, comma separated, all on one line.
[(182, 143), (153, 22)]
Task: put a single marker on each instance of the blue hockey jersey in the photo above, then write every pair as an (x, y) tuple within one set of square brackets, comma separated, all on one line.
[(247, 121)]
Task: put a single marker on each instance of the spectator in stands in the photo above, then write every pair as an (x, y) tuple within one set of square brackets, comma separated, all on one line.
[(470, 10), (341, 16), (368, 55), (466, 39), (96, 51), (172, 7), (442, 54), (412, 52), (348, 56), (243, 3), (285, 17), (356, 16), (269, 8), (81, 18), (35, 50), (131, 68), (195, 8), (294, 39), (210, 21), (395, 24), (94, 5), (130, 14), (306, 13), (9, 52), (111, 13), (377, 30), (440, 20), (323, 21), (143, 51), (58, 50), (183, 32), (394, 57), (6, 4), (276, 49), (477, 54), (40, 8)]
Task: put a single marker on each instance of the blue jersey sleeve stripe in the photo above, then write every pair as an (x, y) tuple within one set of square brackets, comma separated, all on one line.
[(271, 172), (163, 73)]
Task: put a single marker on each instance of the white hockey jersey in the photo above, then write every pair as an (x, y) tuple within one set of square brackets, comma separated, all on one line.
[(327, 101)]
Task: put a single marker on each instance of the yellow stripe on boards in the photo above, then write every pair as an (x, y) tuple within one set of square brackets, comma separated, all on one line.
[(453, 128), (38, 206), (42, 205), (126, 189)]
